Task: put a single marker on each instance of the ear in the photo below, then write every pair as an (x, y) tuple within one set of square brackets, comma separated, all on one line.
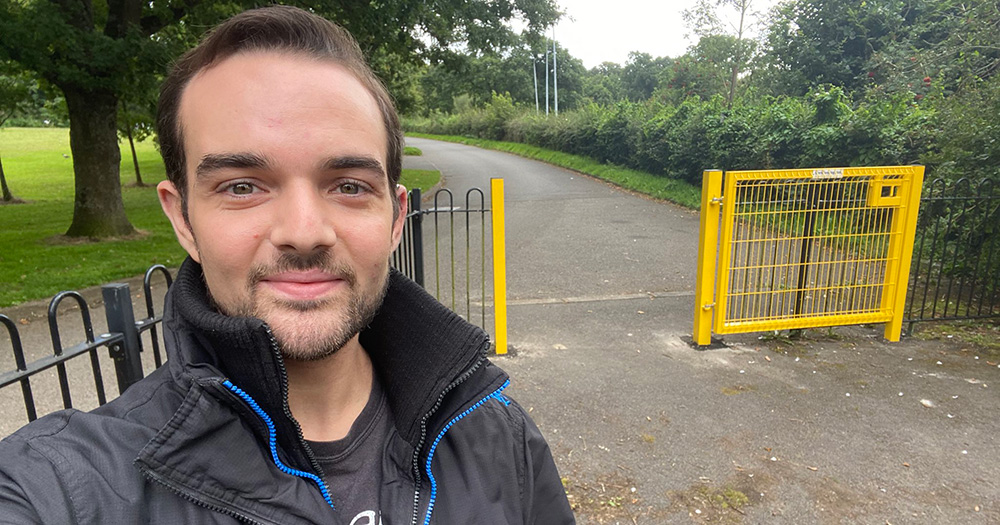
[(170, 201), (400, 220)]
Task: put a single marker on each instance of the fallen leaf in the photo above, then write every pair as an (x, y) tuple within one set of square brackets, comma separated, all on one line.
[(23, 320), (559, 346), (641, 312), (907, 465), (768, 359), (814, 469), (927, 403)]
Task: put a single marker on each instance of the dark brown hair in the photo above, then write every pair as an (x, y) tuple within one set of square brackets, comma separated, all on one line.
[(273, 28)]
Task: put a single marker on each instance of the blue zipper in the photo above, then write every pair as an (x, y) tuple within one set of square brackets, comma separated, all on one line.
[(496, 394), (272, 440)]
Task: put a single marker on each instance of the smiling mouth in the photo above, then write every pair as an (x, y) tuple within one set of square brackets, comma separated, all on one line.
[(310, 285)]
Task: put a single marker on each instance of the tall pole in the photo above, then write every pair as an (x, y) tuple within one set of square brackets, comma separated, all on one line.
[(555, 70), (534, 76), (546, 81)]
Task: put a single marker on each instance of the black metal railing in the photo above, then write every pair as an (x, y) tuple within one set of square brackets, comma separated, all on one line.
[(409, 256), (956, 255), (122, 340), (447, 282)]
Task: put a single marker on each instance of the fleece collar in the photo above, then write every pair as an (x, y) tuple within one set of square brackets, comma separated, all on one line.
[(417, 346)]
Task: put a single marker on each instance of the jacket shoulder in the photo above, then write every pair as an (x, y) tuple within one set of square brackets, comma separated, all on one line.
[(51, 467), (495, 448)]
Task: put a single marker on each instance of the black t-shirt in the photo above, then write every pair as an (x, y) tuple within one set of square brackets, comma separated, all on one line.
[(353, 465)]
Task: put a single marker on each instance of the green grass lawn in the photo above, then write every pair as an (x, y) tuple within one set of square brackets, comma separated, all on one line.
[(33, 266), (659, 187)]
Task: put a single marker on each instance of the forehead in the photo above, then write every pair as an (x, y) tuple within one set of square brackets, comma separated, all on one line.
[(256, 100)]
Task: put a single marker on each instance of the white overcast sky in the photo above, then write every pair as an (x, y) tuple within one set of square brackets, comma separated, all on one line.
[(596, 31)]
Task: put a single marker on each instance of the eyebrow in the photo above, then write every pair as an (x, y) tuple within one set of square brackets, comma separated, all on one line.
[(217, 161), (354, 162)]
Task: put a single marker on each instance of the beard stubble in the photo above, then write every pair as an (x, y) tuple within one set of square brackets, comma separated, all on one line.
[(300, 330)]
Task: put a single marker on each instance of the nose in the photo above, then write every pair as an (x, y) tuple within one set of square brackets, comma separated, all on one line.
[(302, 221)]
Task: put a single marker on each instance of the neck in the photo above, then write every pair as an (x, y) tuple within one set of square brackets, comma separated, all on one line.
[(327, 395)]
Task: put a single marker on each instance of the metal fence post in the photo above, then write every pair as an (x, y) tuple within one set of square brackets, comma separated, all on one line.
[(118, 310), (499, 265), (417, 231)]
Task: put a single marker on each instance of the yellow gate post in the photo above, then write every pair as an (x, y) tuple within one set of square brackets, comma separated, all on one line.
[(708, 238), (499, 266), (895, 299)]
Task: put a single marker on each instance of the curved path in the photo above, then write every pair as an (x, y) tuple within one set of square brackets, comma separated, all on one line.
[(571, 236)]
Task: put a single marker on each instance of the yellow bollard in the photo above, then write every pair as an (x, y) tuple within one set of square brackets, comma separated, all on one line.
[(499, 266)]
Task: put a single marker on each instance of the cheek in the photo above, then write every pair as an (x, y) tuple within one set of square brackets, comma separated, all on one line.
[(371, 241), (229, 248)]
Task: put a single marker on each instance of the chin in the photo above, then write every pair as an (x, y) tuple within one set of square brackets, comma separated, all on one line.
[(309, 335)]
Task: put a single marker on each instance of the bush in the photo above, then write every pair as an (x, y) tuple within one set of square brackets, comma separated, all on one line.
[(680, 141)]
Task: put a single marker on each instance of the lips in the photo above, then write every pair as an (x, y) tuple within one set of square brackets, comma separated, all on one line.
[(303, 286)]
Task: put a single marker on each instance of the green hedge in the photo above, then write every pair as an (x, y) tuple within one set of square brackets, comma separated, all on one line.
[(820, 129)]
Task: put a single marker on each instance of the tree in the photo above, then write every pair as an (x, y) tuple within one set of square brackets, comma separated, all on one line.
[(15, 95), (703, 19), (91, 51), (137, 115), (480, 77), (815, 42), (640, 76), (135, 123), (945, 42), (602, 84), (86, 51)]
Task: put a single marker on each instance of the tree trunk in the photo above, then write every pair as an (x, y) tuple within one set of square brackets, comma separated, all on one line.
[(7, 195), (135, 160), (98, 210), (743, 6)]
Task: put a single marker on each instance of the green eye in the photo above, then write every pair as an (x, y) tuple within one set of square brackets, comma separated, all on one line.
[(350, 188), (242, 188)]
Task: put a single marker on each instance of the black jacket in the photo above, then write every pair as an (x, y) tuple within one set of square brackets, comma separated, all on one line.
[(209, 438)]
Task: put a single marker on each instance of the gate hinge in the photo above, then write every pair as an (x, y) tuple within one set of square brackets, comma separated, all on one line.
[(708, 306), (717, 200)]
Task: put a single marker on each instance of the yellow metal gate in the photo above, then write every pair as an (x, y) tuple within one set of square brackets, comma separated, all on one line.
[(805, 248)]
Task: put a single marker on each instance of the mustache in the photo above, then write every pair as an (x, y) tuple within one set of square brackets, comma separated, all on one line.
[(288, 262)]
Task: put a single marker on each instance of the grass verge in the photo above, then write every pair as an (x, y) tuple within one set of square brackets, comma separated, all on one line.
[(655, 186), (412, 151), (36, 264), (423, 179)]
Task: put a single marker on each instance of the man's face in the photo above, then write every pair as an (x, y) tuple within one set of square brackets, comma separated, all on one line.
[(290, 211)]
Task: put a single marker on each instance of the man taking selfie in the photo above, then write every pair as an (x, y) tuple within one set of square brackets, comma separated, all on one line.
[(306, 381)]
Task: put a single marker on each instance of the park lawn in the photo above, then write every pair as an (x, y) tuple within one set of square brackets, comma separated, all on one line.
[(36, 263)]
